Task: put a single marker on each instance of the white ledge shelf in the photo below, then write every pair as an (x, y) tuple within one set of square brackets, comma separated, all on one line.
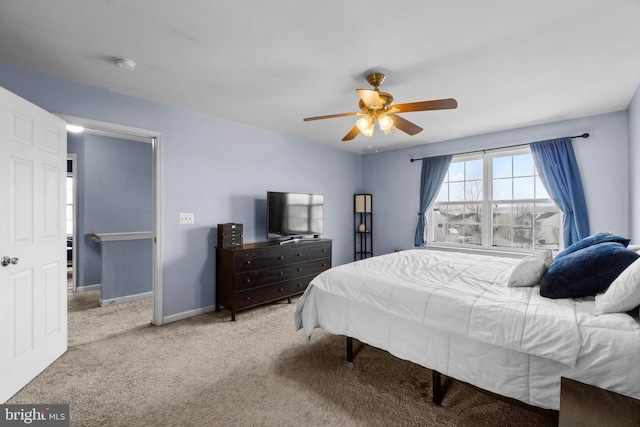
[(133, 235)]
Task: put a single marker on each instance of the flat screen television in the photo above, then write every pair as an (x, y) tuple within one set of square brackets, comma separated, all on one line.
[(291, 215)]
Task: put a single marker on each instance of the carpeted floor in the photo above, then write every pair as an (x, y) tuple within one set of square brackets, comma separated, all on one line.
[(121, 371)]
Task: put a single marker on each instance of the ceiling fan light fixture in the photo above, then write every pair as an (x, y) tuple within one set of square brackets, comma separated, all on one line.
[(368, 131), (385, 123), (365, 124)]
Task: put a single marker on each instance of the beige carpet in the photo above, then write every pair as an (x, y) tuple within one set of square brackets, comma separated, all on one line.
[(121, 371)]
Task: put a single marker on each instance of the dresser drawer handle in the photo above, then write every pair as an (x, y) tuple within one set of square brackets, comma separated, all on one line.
[(324, 250), (280, 257), (282, 273), (249, 262), (324, 264), (299, 269), (281, 290), (299, 284), (248, 281), (247, 298), (299, 254)]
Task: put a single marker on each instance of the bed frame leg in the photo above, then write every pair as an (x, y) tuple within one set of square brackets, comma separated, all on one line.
[(437, 388), (349, 349)]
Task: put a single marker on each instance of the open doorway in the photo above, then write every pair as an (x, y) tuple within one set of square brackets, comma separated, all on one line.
[(123, 132), (72, 160)]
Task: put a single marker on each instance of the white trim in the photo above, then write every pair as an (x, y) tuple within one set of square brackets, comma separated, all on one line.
[(132, 235), (187, 314), (88, 288), (158, 289), (155, 138), (477, 251), (114, 130), (487, 157), (126, 298)]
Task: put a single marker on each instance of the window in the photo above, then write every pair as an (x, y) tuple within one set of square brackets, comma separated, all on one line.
[(494, 200)]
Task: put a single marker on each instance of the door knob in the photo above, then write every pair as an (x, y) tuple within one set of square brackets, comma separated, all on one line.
[(5, 261)]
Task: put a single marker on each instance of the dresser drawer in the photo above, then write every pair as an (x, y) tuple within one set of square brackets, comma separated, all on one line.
[(314, 268), (300, 284), (256, 278), (261, 295), (254, 260), (308, 251)]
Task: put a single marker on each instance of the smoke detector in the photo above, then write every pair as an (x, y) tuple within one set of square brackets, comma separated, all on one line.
[(125, 64)]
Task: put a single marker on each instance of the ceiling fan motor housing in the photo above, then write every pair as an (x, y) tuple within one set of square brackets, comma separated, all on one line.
[(385, 99), (375, 79)]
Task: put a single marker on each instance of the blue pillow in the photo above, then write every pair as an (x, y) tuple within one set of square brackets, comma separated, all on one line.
[(594, 239), (587, 271)]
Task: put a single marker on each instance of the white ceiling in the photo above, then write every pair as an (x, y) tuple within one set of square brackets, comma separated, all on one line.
[(271, 63)]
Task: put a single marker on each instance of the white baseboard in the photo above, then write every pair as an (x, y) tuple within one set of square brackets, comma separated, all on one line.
[(88, 288), (126, 298), (187, 314)]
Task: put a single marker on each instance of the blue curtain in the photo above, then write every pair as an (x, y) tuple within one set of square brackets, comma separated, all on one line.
[(434, 170), (558, 169)]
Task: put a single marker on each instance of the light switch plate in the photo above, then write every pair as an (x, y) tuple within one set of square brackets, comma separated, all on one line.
[(187, 218)]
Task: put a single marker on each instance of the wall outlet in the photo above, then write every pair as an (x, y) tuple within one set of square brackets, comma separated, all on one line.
[(187, 218)]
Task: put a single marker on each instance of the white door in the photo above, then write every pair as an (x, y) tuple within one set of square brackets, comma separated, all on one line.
[(33, 296)]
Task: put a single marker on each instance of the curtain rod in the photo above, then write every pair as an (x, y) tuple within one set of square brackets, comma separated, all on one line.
[(584, 135)]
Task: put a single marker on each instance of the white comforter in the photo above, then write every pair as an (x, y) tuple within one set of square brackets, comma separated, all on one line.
[(459, 294), (453, 313)]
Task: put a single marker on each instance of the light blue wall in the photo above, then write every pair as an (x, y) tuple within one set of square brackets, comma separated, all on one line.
[(602, 158), (114, 194), (634, 172), (127, 267), (221, 171), (118, 185), (217, 169)]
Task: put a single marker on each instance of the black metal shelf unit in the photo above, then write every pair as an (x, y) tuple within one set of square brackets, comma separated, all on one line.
[(363, 223)]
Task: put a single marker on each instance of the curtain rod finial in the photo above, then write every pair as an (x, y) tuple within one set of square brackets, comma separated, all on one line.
[(585, 135)]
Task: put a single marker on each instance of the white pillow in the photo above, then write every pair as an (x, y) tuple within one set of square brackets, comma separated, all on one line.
[(530, 269), (623, 294)]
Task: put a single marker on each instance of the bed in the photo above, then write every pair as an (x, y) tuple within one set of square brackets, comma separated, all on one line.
[(456, 314)]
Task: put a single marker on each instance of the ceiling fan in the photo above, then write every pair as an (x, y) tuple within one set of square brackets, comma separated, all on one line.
[(378, 106)]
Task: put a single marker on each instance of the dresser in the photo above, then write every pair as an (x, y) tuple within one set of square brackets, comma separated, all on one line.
[(258, 273)]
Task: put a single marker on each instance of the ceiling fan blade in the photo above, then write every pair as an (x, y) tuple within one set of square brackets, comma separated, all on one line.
[(352, 134), (436, 104), (371, 98), (405, 125), (331, 116)]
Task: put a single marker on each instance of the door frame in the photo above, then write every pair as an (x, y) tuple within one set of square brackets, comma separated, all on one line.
[(74, 164), (98, 127)]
